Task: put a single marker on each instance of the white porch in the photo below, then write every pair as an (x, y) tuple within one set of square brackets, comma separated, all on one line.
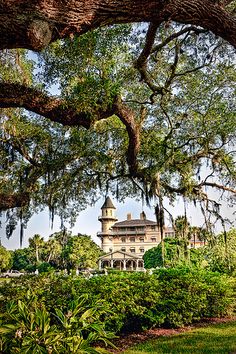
[(121, 260)]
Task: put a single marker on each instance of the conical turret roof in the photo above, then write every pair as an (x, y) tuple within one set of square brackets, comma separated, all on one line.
[(108, 204)]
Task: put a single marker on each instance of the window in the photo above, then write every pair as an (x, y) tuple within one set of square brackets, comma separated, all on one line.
[(122, 239), (153, 239), (141, 239), (123, 249), (132, 249), (132, 239), (110, 249), (142, 250), (153, 227)]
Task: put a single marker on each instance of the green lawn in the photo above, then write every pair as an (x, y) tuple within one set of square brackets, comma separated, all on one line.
[(218, 338)]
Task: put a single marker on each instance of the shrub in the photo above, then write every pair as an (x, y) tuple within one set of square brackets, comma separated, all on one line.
[(132, 301), (45, 267), (30, 328)]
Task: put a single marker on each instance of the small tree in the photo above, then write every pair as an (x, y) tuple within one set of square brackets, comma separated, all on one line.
[(5, 258), (23, 260), (174, 254), (36, 243), (81, 252), (221, 258)]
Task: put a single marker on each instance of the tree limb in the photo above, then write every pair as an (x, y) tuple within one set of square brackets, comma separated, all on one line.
[(35, 24), (219, 186), (14, 200), (55, 109)]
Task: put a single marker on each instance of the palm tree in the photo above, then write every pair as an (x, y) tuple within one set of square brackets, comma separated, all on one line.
[(36, 242), (53, 250)]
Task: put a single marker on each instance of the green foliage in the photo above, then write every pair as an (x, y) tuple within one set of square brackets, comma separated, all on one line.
[(174, 254), (81, 252), (27, 327), (61, 251), (182, 130), (131, 301), (5, 258), (198, 257), (23, 260), (221, 253), (189, 295), (45, 267)]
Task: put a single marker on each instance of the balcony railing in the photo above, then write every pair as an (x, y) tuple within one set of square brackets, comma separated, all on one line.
[(122, 233), (107, 217)]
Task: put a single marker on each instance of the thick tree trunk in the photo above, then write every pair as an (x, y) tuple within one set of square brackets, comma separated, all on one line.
[(33, 24)]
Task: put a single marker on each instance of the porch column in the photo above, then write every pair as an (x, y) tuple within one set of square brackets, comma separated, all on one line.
[(132, 265), (124, 268), (111, 263), (100, 264)]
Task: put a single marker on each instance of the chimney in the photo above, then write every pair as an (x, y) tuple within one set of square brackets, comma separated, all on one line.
[(129, 216), (142, 216)]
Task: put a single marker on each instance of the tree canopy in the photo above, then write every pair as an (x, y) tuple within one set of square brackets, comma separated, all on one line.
[(61, 251), (146, 109)]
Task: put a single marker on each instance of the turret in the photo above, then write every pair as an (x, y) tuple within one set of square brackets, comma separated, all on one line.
[(108, 217)]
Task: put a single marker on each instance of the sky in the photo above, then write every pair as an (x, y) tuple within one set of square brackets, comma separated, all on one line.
[(87, 222)]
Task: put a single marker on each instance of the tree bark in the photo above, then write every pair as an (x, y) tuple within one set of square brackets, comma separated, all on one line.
[(13, 201), (55, 109), (33, 24)]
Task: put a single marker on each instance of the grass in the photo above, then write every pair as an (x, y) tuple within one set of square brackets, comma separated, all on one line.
[(217, 339)]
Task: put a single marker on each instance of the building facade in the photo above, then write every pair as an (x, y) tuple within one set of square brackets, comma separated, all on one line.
[(125, 242)]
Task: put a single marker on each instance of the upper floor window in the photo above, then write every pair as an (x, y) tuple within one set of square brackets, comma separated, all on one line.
[(141, 250), (141, 239), (132, 249), (123, 249), (132, 239), (153, 239), (153, 227), (110, 249), (122, 239)]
